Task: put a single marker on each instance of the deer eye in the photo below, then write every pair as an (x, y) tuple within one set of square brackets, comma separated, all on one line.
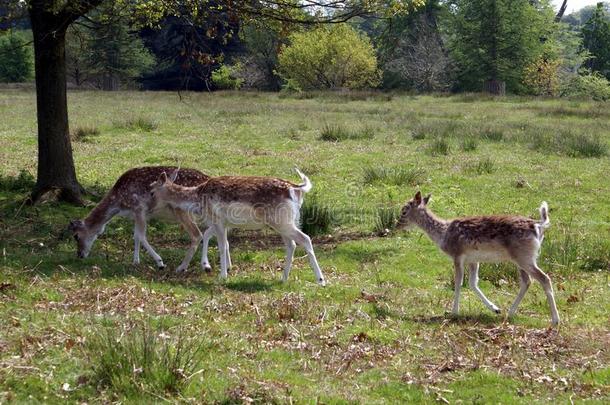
[(75, 237)]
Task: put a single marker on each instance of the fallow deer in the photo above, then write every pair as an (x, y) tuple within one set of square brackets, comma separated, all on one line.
[(245, 202), (131, 197), (498, 238)]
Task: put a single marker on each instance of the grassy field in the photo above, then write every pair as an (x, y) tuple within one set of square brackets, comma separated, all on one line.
[(101, 329)]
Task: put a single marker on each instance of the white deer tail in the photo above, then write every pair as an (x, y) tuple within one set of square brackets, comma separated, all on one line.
[(545, 222), (306, 186)]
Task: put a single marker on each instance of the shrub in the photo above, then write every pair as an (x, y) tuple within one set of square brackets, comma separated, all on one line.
[(394, 175), (141, 361), (587, 85), (329, 58), (541, 77), (316, 217), (224, 78), (16, 61)]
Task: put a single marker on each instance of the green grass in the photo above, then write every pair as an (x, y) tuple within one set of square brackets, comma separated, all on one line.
[(378, 333)]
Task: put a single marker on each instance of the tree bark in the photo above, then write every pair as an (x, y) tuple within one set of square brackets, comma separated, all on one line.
[(55, 163), (496, 87)]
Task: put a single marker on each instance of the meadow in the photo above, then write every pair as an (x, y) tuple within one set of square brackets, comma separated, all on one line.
[(103, 330)]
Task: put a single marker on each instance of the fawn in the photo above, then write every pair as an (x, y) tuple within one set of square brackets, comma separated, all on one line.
[(244, 202), (495, 238), (131, 197)]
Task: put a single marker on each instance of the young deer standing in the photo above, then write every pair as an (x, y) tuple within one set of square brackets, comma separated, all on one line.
[(244, 202), (497, 238), (131, 197)]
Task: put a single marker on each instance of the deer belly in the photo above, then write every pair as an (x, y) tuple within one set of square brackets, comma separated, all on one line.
[(487, 254), (243, 216)]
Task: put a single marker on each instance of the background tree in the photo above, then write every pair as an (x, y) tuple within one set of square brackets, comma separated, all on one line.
[(50, 20), (329, 58), (596, 40), (16, 60), (493, 40), (413, 50)]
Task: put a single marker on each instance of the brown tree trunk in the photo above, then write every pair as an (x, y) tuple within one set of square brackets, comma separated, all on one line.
[(55, 163), (496, 87)]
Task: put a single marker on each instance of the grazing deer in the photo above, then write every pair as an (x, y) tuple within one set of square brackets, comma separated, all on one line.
[(131, 197), (244, 202), (491, 239)]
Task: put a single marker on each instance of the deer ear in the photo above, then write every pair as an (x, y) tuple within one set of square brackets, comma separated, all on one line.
[(163, 177), (174, 175), (427, 198), (417, 198)]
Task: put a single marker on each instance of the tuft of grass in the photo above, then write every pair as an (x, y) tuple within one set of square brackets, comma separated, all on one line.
[(337, 133), (385, 220), (492, 134), (484, 166), (392, 175), (80, 134), (570, 144), (23, 182), (139, 123), (585, 146), (316, 217), (469, 144), (439, 147), (141, 361)]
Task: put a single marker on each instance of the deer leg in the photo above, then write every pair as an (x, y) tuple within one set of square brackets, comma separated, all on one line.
[(136, 247), (524, 284), (140, 230), (544, 280), (205, 263), (290, 246), (222, 248), (229, 263), (457, 283), (473, 279), (195, 236), (302, 239)]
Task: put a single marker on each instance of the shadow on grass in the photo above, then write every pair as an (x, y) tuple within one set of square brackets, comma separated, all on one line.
[(467, 319), (250, 286)]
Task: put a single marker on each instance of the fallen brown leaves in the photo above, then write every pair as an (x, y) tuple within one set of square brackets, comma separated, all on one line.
[(116, 300)]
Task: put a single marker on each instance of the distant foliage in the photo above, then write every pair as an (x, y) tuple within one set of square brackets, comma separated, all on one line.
[(16, 60), (225, 78), (414, 51), (109, 55), (596, 39), (329, 58), (494, 40)]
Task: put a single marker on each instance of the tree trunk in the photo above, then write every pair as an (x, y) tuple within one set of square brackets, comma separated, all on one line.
[(496, 87), (55, 163)]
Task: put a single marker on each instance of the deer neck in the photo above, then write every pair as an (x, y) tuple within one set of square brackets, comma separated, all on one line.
[(101, 215), (435, 227), (184, 198)]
